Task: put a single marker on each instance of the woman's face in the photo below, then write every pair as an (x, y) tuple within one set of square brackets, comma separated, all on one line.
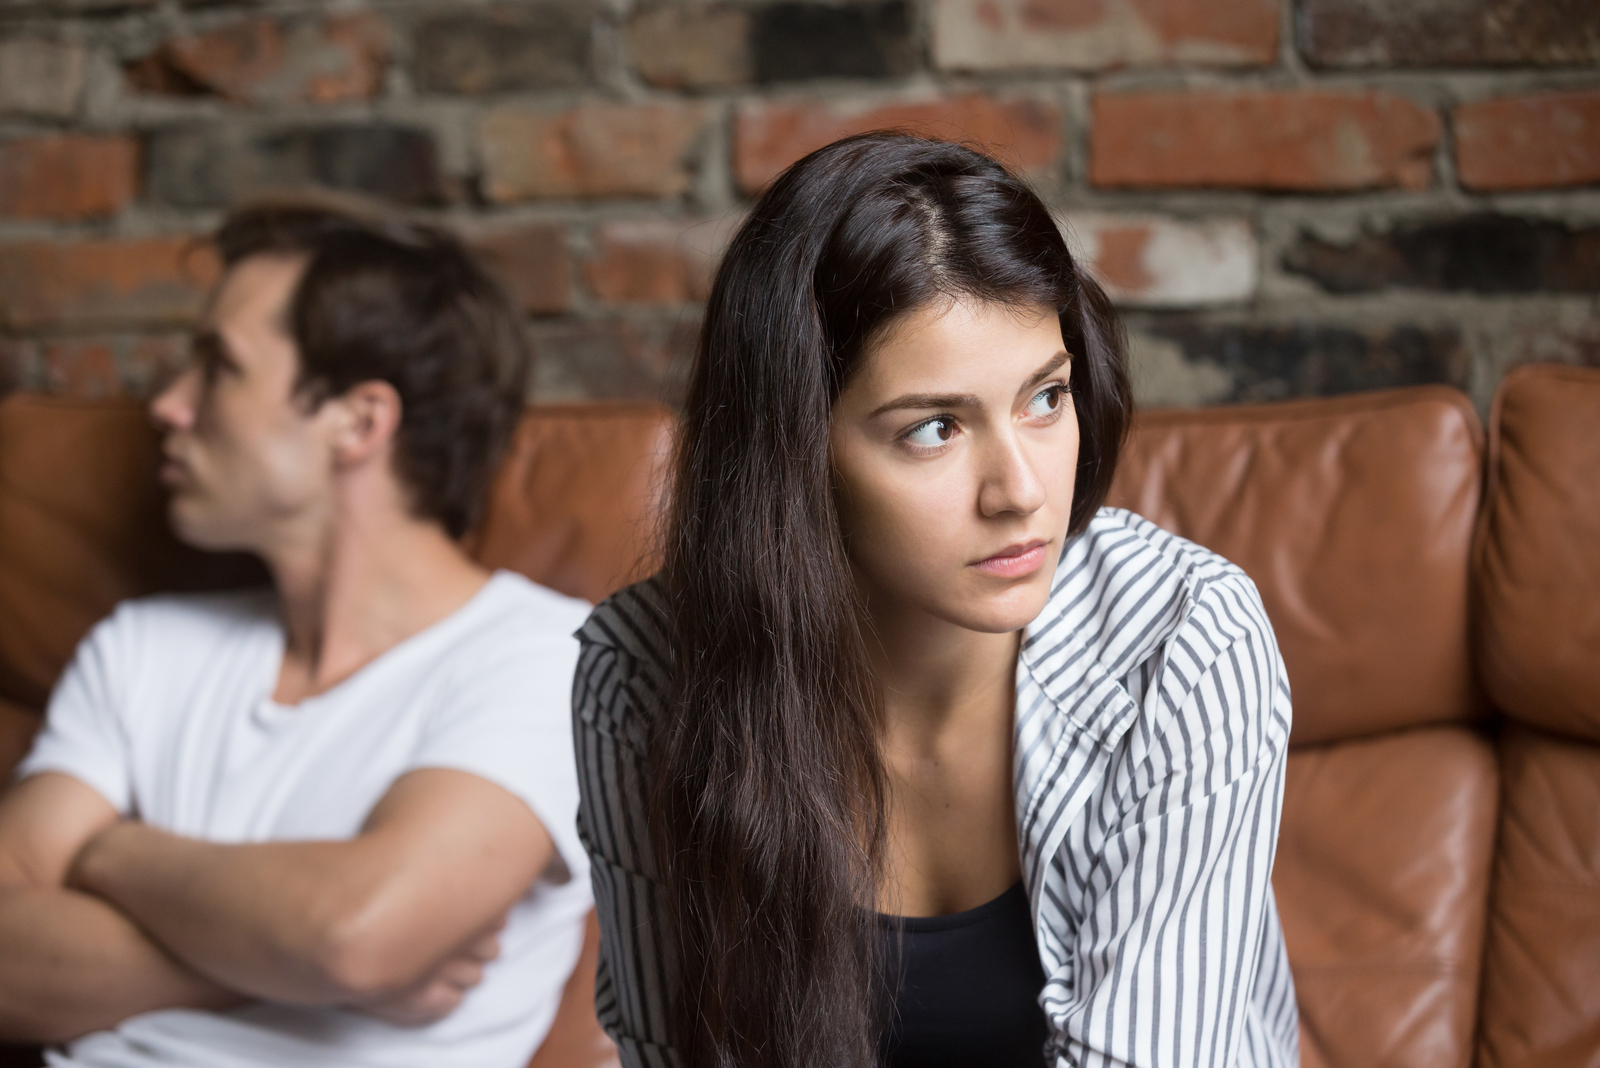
[(955, 447)]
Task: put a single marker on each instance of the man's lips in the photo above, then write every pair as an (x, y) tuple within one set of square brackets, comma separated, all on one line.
[(172, 470), (1014, 561)]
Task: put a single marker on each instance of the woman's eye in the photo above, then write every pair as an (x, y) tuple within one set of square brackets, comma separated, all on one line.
[(933, 433), (1046, 401)]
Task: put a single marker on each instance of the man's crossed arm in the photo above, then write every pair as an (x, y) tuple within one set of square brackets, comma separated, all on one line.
[(102, 919)]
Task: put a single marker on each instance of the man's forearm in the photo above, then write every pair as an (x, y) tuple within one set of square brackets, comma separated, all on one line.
[(72, 964), (271, 919)]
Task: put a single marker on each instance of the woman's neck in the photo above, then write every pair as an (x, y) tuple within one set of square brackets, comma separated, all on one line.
[(938, 678)]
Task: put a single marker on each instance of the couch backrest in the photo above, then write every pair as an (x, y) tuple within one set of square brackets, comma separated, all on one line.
[(1354, 517), (1537, 631)]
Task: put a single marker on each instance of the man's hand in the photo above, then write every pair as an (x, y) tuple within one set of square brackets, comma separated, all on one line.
[(441, 991)]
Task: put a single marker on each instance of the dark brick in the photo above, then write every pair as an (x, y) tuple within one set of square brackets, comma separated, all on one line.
[(1382, 33), (1473, 253), (1269, 363), (214, 167), (614, 359), (795, 41), (499, 49)]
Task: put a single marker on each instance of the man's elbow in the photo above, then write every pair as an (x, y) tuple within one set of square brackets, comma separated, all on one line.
[(361, 956)]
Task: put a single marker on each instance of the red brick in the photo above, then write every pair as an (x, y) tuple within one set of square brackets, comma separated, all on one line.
[(593, 150), (531, 263), (1025, 134), (90, 285), (1304, 140), (1529, 142), (657, 261), (272, 61), (1157, 261), (67, 176), (1101, 34)]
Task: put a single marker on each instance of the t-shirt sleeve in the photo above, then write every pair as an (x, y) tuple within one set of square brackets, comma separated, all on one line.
[(85, 734), (508, 720)]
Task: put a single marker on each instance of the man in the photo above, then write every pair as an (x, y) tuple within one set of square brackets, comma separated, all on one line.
[(330, 822)]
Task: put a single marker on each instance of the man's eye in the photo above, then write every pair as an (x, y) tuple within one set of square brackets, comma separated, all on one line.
[(933, 433), (1046, 401)]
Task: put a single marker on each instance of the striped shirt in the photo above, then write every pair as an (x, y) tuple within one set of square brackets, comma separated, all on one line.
[(1152, 727)]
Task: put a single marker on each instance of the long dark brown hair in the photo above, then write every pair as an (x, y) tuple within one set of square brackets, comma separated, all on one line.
[(769, 792)]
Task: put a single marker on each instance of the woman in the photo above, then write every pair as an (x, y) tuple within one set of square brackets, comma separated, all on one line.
[(912, 754)]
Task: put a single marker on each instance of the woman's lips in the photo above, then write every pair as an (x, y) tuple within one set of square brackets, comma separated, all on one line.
[(1014, 561)]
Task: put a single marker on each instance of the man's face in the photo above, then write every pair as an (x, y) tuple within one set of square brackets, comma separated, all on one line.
[(243, 456)]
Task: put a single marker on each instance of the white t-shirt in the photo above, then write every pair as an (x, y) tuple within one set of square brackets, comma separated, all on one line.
[(166, 710)]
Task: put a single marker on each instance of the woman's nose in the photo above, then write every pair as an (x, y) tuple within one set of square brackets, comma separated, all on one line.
[(1010, 484)]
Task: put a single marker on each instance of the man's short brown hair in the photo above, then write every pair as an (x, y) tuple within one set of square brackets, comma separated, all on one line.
[(388, 299)]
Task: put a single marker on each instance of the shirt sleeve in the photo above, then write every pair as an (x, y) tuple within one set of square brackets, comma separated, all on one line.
[(507, 721), (631, 985), (85, 734), (1174, 956)]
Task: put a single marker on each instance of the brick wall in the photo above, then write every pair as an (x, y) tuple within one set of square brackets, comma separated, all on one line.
[(1288, 197)]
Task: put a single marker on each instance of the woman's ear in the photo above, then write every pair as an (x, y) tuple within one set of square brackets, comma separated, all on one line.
[(369, 417)]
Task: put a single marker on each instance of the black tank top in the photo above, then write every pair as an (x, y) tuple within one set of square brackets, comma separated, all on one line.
[(966, 988)]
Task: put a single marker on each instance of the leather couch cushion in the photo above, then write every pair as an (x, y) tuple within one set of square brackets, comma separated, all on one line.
[(577, 499), (83, 525), (1541, 992), (1538, 554), (1381, 881), (1354, 517)]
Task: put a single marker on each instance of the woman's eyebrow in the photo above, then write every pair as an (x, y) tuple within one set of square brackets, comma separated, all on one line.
[(1046, 371), (928, 400)]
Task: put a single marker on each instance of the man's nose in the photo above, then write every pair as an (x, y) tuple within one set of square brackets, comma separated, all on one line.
[(1010, 482), (174, 407)]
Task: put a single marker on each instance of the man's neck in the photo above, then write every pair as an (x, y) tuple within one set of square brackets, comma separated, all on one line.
[(358, 586)]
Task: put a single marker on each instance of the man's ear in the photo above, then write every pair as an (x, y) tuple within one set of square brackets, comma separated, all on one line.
[(370, 418)]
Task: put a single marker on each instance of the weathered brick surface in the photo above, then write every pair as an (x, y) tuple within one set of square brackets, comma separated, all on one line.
[(1025, 133), (532, 264), (598, 154), (594, 150), (99, 284), (1145, 260), (504, 49), (678, 45), (273, 61), (1101, 34), (1439, 33), (219, 165), (1311, 140), (1529, 142), (41, 77), (614, 359), (792, 41), (656, 261), (1249, 363), (67, 176), (1484, 253)]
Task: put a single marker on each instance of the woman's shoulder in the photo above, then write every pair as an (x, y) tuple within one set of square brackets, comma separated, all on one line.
[(632, 621), (1127, 588), (624, 663)]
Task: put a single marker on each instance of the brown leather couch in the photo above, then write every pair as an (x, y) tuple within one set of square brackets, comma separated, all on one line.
[(1437, 598)]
